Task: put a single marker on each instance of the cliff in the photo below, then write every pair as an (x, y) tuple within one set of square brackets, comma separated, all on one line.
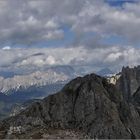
[(129, 82)]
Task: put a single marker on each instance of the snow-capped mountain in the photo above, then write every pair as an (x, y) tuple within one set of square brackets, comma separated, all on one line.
[(38, 78)]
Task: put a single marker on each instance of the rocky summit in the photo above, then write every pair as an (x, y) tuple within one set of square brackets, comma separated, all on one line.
[(127, 82), (87, 107)]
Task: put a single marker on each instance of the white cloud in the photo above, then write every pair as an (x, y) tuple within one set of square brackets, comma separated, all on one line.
[(106, 20), (6, 48), (51, 24), (51, 60), (114, 57), (32, 21), (56, 34)]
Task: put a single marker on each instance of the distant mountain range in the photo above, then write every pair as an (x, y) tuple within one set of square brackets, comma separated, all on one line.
[(38, 78), (105, 72)]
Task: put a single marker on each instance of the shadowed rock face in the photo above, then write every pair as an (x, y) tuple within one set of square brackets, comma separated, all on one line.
[(129, 81), (87, 104)]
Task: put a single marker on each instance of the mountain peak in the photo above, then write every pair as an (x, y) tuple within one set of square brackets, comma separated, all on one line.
[(105, 72)]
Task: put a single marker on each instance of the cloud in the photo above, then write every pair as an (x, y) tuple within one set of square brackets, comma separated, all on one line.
[(52, 35), (51, 24), (90, 22), (36, 21), (113, 56), (51, 60), (39, 58), (106, 20), (6, 48)]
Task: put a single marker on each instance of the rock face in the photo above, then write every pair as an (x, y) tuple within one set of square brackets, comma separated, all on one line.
[(129, 81), (89, 105), (114, 79)]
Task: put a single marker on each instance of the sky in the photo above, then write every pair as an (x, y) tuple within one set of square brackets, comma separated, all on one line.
[(94, 34)]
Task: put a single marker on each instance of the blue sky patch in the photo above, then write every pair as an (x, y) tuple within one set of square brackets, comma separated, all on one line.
[(119, 2)]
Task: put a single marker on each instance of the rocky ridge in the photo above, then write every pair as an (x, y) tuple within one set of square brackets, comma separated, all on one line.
[(127, 81), (88, 105)]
